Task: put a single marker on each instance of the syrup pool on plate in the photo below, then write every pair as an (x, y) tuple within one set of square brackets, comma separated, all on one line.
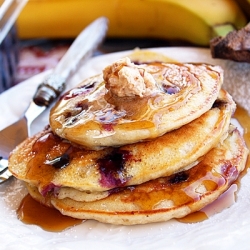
[(50, 219)]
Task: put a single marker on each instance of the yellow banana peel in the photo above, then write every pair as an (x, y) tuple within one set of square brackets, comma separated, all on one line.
[(193, 21)]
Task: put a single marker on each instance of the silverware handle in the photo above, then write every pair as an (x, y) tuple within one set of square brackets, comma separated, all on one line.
[(80, 50), (49, 90)]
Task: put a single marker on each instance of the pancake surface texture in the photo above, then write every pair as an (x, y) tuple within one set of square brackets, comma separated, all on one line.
[(135, 102)]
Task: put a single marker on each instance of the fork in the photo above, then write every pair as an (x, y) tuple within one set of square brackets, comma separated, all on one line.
[(13, 138), (5, 174), (82, 49)]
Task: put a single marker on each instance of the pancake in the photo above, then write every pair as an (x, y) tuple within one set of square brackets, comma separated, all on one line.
[(75, 194), (164, 198), (50, 162), (121, 110), (140, 56)]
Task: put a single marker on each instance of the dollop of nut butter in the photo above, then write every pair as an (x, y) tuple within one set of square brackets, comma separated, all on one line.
[(126, 79)]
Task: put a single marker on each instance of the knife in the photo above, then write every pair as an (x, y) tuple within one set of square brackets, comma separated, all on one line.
[(81, 49)]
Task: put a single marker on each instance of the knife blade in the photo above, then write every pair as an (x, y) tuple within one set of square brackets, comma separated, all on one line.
[(53, 85)]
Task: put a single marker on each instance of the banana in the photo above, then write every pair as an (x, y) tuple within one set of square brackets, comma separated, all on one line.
[(245, 6), (195, 21)]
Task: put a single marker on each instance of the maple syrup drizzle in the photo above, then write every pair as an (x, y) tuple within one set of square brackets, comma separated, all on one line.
[(243, 118), (31, 211), (193, 217)]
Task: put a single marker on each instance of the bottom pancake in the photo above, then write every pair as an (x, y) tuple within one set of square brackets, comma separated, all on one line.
[(164, 198)]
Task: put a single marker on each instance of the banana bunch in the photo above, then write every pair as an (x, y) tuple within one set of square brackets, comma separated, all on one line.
[(195, 21)]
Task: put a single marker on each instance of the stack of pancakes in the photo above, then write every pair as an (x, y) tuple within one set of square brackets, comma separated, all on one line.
[(136, 159)]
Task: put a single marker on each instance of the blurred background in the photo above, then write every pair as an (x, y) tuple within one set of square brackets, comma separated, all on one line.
[(35, 34)]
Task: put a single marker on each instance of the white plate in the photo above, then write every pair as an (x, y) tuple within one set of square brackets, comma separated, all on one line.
[(229, 229)]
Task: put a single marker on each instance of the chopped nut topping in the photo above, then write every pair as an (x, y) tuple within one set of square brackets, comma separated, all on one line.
[(124, 78)]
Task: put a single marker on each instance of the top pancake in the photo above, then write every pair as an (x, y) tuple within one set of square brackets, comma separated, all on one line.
[(50, 162), (90, 115)]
